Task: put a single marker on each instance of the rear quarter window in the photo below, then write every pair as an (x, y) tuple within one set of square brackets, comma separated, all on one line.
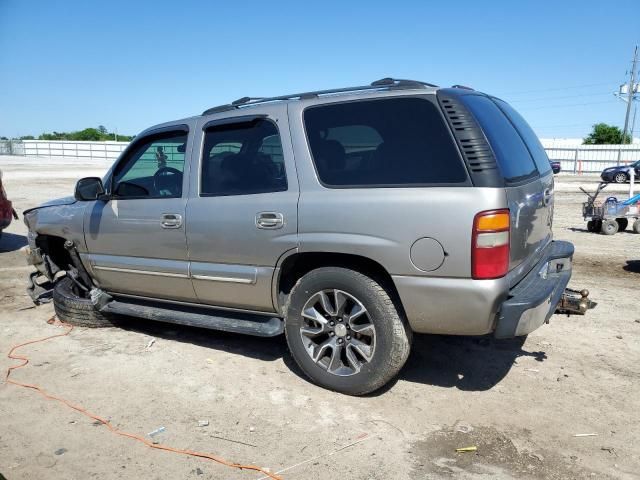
[(392, 142), (528, 135), (513, 157)]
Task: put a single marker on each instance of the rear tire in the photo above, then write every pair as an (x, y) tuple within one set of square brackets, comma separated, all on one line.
[(609, 227), (74, 309), (360, 341), (620, 177), (591, 226)]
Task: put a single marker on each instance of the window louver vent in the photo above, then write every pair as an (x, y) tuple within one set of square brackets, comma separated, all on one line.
[(475, 149)]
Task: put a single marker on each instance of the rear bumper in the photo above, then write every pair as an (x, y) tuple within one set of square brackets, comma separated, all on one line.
[(535, 298)]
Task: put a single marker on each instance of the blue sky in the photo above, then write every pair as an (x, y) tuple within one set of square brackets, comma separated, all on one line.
[(130, 64)]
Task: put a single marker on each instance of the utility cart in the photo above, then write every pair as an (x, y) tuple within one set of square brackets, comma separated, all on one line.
[(612, 215)]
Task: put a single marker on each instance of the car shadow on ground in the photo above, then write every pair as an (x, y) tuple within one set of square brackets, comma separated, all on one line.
[(632, 266), (584, 230), (260, 348), (10, 242), (465, 363)]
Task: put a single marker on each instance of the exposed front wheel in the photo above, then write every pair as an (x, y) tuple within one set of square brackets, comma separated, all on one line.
[(345, 332), (71, 306)]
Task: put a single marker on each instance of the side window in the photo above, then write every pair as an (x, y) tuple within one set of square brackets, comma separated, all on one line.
[(382, 143), (514, 161), (154, 169), (242, 159)]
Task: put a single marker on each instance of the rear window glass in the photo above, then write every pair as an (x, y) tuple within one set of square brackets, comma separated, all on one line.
[(382, 143), (514, 159), (529, 136)]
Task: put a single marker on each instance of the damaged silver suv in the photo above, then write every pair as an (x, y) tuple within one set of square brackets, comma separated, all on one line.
[(347, 219)]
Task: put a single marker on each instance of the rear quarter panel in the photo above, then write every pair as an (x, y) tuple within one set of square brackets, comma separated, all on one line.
[(382, 224)]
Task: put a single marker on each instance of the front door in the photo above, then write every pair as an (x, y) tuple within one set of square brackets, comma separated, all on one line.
[(136, 239), (242, 211)]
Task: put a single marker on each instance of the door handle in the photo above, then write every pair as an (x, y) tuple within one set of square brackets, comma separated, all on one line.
[(269, 220), (171, 220)]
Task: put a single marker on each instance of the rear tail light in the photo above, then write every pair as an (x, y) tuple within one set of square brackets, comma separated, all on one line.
[(490, 245)]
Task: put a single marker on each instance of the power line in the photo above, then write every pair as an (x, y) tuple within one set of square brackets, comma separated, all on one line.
[(559, 88), (564, 106), (573, 125), (561, 97)]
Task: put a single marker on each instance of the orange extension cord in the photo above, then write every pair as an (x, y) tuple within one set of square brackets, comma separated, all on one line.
[(41, 391)]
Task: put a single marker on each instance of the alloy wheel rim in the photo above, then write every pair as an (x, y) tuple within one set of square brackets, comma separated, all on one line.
[(337, 332), (621, 177)]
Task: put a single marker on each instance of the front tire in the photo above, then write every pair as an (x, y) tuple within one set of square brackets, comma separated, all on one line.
[(72, 308), (345, 332)]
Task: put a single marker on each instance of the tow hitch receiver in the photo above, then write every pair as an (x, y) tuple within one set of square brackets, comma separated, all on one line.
[(575, 302)]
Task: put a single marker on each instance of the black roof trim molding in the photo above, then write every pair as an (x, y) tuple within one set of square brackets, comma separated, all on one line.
[(476, 151)]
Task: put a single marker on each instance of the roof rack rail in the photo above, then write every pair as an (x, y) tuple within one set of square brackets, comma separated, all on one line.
[(384, 83), (401, 83), (243, 100)]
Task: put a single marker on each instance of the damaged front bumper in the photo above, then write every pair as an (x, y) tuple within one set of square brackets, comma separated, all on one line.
[(40, 283)]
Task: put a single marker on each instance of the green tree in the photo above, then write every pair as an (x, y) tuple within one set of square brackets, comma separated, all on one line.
[(88, 134), (604, 134), (99, 134)]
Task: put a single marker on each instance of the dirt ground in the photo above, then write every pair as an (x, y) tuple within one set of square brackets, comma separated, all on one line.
[(520, 403)]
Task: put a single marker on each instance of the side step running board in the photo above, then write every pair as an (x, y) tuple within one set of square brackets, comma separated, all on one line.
[(246, 323)]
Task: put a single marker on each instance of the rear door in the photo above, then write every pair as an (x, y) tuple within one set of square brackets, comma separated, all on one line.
[(525, 168), (242, 209)]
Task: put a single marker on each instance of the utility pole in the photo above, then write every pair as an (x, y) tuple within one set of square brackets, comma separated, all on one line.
[(632, 86)]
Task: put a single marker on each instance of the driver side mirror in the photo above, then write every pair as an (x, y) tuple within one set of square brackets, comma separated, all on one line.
[(89, 188)]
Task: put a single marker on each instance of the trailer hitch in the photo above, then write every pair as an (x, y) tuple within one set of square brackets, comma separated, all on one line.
[(575, 302)]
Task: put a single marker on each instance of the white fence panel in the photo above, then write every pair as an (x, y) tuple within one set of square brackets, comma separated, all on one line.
[(577, 159), (63, 148)]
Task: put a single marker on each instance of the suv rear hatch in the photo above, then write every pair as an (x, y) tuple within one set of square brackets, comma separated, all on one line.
[(528, 179)]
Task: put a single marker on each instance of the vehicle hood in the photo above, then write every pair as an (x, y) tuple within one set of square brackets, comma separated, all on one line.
[(621, 168), (54, 203)]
